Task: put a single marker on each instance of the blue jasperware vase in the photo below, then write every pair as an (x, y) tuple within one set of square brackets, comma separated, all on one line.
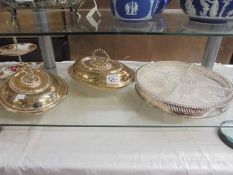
[(208, 11), (134, 10)]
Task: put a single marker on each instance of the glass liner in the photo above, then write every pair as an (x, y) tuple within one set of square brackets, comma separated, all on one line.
[(183, 88), (89, 107), (60, 22)]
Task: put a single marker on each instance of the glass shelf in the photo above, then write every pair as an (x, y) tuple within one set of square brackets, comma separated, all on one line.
[(64, 22), (90, 107)]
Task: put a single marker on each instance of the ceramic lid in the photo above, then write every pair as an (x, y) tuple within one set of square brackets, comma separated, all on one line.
[(101, 71), (32, 91)]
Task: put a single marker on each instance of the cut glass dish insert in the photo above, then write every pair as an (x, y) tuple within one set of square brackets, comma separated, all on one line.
[(185, 89)]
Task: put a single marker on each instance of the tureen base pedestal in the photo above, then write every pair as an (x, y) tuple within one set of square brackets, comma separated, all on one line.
[(209, 21), (211, 51)]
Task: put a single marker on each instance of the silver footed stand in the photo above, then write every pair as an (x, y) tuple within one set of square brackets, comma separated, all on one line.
[(45, 42), (211, 51)]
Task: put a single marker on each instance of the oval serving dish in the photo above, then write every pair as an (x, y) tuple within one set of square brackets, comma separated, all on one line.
[(185, 89), (32, 91), (101, 71)]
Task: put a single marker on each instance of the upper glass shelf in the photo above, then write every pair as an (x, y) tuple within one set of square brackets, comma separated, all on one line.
[(64, 22)]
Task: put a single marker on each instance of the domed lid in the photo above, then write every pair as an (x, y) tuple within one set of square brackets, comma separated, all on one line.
[(100, 70), (32, 90), (29, 81)]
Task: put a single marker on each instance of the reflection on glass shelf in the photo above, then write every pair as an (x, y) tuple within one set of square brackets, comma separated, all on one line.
[(196, 27), (86, 106), (155, 25), (171, 22)]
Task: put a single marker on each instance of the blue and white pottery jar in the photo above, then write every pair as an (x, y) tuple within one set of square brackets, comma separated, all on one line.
[(209, 11), (162, 4), (133, 10)]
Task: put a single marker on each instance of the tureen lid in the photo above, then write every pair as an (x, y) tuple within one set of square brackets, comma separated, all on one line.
[(102, 71), (29, 81), (32, 90)]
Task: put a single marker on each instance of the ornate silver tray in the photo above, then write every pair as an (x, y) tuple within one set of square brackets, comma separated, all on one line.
[(185, 89), (41, 3)]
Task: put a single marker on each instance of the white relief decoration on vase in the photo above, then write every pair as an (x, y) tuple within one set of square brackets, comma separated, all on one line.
[(132, 11), (151, 6), (230, 13), (226, 3), (205, 7), (214, 7), (190, 7), (131, 8), (211, 6)]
